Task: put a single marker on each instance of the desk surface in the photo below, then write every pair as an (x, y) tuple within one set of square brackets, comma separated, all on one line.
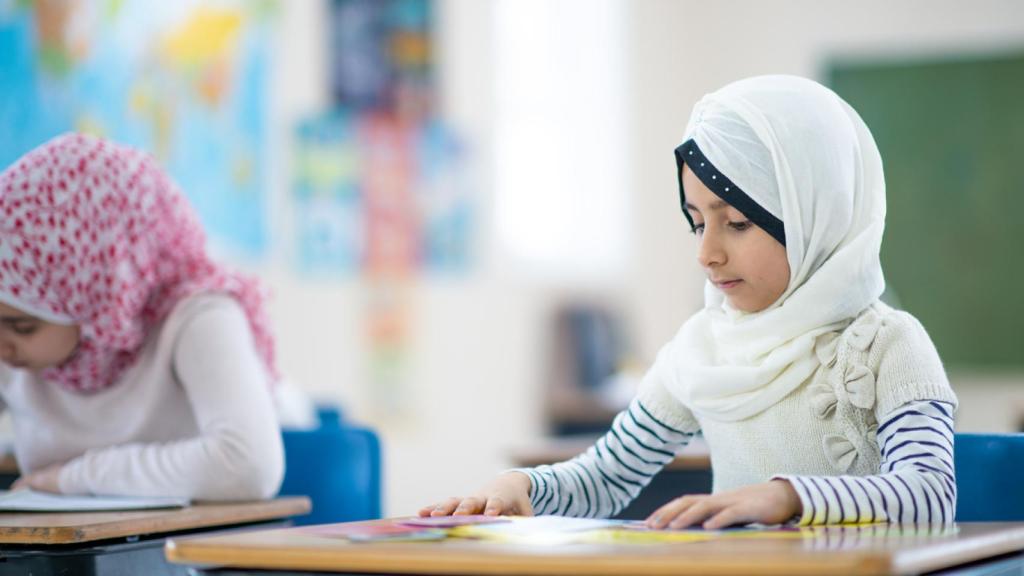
[(75, 527), (855, 550)]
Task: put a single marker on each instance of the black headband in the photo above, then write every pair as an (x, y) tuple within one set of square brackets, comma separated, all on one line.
[(688, 153)]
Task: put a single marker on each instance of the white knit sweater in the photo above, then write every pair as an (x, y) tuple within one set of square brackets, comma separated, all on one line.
[(882, 368), (882, 361)]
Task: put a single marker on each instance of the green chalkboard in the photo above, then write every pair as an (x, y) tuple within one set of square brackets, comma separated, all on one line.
[(951, 134)]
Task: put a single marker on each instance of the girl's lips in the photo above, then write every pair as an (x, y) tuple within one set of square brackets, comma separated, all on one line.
[(728, 284)]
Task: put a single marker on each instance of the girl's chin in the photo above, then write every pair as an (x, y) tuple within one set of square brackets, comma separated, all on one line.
[(745, 305)]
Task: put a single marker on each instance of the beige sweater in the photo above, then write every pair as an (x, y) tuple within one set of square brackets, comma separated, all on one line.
[(882, 361), (824, 437), (193, 417)]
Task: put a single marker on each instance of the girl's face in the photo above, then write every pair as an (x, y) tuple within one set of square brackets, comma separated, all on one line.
[(741, 259), (33, 344)]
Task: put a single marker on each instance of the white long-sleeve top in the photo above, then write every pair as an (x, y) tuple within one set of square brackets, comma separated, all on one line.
[(869, 438), (193, 417)]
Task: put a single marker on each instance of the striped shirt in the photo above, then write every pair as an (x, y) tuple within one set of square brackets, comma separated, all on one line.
[(915, 484)]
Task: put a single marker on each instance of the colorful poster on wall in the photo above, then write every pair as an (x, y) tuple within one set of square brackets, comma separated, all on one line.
[(380, 52), (376, 195), (405, 209), (442, 193), (387, 201), (328, 196), (184, 80)]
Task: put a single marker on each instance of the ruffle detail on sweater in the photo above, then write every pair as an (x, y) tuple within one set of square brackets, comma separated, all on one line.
[(845, 389), (861, 334), (859, 385), (823, 400), (843, 450)]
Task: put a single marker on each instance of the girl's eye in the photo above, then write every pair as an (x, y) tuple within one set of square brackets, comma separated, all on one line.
[(741, 226), (697, 229), (23, 329)]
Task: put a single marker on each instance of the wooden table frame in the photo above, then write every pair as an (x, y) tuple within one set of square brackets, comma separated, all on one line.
[(127, 542), (854, 550), (78, 527)]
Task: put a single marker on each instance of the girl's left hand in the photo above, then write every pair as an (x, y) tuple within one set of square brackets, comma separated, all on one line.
[(45, 480), (772, 502)]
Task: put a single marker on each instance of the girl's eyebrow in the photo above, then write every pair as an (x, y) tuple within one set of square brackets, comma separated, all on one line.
[(716, 205), (17, 319)]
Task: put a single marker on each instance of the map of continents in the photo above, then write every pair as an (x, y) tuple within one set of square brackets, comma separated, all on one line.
[(184, 80)]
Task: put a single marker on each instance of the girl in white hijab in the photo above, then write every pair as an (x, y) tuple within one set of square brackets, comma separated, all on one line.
[(819, 403)]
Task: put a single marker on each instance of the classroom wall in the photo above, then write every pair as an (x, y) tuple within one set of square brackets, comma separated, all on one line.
[(479, 343), (474, 355)]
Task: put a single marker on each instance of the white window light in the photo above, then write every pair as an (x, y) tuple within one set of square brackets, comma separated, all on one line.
[(560, 140)]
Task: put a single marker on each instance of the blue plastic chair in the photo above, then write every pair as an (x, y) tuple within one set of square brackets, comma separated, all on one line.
[(989, 477), (337, 466)]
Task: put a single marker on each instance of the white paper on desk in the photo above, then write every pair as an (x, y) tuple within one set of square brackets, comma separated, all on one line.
[(549, 523), (536, 529), (30, 501)]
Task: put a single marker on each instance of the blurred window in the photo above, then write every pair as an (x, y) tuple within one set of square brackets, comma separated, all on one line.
[(560, 139)]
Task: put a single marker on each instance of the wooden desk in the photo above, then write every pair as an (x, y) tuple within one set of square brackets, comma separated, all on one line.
[(854, 550), (120, 542), (77, 527), (688, 473)]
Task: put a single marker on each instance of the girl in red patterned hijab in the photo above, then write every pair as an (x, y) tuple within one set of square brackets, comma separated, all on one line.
[(96, 235), (146, 362)]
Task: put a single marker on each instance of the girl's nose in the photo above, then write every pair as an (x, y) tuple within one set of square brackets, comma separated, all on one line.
[(710, 252)]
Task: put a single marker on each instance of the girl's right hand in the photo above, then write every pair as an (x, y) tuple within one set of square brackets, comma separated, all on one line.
[(508, 494)]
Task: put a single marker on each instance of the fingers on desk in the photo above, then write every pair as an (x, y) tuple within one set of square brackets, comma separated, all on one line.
[(456, 505), (464, 506)]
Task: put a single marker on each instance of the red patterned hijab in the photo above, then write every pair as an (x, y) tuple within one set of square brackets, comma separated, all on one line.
[(96, 234)]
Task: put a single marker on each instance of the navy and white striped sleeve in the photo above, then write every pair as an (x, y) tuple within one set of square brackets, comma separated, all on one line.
[(916, 482), (603, 480)]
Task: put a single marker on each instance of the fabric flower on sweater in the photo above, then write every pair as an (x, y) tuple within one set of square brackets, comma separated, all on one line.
[(862, 333), (859, 385), (842, 450), (823, 399)]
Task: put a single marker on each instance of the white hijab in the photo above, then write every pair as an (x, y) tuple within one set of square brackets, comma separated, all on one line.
[(805, 156)]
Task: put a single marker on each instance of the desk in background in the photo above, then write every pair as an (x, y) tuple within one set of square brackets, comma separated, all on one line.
[(689, 473), (8, 470), (847, 550), (122, 543)]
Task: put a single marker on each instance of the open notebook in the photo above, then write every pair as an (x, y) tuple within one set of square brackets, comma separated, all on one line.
[(29, 501)]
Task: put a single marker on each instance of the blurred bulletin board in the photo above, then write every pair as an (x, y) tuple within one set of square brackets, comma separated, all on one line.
[(380, 181), (951, 134)]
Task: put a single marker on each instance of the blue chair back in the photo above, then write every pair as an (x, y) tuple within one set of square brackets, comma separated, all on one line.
[(337, 466), (989, 477)]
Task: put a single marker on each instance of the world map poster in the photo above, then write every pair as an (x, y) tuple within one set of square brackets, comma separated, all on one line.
[(183, 80)]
